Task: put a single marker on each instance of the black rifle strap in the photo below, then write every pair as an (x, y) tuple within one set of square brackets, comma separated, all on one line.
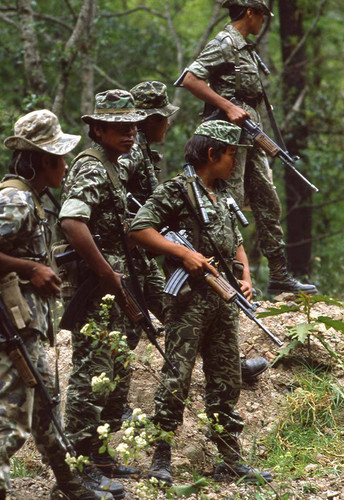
[(229, 275)]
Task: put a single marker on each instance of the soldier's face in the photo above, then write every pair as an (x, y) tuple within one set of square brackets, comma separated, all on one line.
[(155, 127), (118, 137), (256, 20), (224, 166), (53, 170)]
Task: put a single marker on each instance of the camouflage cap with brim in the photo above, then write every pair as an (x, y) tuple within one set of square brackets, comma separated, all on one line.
[(152, 98), (256, 4), (115, 106), (41, 131), (222, 131)]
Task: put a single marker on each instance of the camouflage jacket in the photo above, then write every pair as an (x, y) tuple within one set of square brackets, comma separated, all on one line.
[(88, 195), (140, 179), (25, 236), (216, 64), (166, 208)]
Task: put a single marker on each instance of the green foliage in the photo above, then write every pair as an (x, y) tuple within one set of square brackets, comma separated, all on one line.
[(24, 467), (311, 328), (308, 440)]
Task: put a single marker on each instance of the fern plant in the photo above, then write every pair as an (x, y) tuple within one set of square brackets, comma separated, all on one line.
[(303, 333)]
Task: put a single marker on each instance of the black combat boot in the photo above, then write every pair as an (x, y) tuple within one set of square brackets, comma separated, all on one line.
[(112, 468), (251, 368), (237, 470), (94, 476), (2, 494), (74, 488), (161, 464), (280, 280)]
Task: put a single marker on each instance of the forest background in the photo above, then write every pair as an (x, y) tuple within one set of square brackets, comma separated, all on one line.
[(58, 54)]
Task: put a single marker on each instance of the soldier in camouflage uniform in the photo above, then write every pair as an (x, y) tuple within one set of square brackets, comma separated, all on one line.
[(94, 203), (141, 176), (203, 322), (229, 65), (38, 161)]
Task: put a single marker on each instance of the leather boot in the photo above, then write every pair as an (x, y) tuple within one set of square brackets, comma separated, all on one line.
[(280, 280), (161, 464), (237, 470), (2, 494), (92, 475), (251, 368), (112, 468), (74, 488)]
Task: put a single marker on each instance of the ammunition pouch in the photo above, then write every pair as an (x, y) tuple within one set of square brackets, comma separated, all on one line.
[(15, 303), (68, 272)]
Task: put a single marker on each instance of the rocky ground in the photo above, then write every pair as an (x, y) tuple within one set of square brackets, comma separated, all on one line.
[(261, 405)]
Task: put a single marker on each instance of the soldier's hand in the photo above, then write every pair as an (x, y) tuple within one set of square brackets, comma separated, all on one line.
[(45, 280), (111, 283), (196, 264), (236, 114), (246, 289)]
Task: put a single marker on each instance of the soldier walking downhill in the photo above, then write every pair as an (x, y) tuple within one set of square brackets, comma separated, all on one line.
[(230, 66), (27, 283)]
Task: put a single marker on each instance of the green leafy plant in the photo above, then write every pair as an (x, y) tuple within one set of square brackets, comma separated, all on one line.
[(312, 327)]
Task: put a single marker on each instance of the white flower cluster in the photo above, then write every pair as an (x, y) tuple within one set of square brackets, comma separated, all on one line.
[(101, 383), (148, 489), (76, 462), (103, 431)]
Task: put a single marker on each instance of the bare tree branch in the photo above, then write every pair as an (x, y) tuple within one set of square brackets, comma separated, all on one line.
[(9, 21), (306, 35), (73, 45), (213, 21), (108, 78), (136, 9), (32, 60)]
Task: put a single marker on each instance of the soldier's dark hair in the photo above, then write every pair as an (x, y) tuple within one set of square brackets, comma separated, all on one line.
[(27, 163), (91, 133), (236, 12), (196, 150)]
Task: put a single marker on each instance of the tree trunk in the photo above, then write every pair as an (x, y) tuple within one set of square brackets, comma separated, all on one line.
[(298, 196), (32, 60)]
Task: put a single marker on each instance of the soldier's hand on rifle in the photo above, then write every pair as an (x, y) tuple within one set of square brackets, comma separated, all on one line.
[(236, 114), (44, 280), (111, 283), (196, 264), (246, 289)]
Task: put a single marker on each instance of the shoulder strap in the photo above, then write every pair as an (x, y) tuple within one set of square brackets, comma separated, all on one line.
[(222, 36), (99, 155), (21, 185)]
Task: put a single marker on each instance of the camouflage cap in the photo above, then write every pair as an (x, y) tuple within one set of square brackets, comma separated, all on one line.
[(221, 131), (256, 4), (153, 99), (41, 131), (115, 106)]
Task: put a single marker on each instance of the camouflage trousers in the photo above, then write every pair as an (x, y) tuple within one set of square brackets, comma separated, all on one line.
[(85, 409), (209, 326), (252, 179), (22, 413)]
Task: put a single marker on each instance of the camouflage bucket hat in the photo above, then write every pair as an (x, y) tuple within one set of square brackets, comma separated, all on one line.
[(152, 98), (256, 4), (221, 131), (115, 106), (41, 131)]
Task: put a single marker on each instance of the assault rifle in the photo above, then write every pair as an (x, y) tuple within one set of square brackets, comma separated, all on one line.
[(265, 142), (221, 286), (149, 167), (76, 308), (28, 372)]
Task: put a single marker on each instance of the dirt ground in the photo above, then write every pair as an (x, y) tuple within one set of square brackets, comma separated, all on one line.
[(261, 405)]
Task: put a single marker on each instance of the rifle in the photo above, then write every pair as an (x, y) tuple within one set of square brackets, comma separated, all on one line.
[(219, 284), (28, 372), (149, 167), (265, 142), (75, 309)]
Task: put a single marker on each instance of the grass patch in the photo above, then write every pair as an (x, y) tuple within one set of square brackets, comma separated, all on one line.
[(308, 439), (24, 467)]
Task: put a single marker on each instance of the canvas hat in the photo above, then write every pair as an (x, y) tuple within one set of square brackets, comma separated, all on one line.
[(256, 4), (115, 106), (221, 131), (152, 98), (41, 131)]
